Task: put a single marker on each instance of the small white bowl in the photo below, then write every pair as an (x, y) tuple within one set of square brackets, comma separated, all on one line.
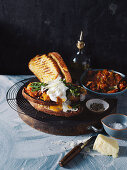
[(91, 101)]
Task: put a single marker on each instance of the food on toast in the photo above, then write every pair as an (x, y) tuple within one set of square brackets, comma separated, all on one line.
[(54, 94)]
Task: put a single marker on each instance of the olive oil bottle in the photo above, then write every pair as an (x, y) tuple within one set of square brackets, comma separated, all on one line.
[(80, 61)]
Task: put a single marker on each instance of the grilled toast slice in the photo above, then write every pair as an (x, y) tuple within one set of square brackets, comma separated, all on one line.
[(48, 110), (44, 68), (47, 67), (59, 60)]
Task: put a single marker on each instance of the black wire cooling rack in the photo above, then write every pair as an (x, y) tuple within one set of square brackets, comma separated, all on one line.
[(18, 103), (14, 97)]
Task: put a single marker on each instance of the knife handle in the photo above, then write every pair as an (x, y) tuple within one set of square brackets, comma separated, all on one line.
[(70, 155)]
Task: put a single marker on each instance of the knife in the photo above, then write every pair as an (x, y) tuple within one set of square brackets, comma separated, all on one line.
[(77, 149)]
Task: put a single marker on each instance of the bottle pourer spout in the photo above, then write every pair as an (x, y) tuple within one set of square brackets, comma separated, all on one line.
[(81, 36), (80, 44)]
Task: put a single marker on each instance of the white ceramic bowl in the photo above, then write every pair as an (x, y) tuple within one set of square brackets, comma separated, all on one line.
[(91, 101), (119, 120)]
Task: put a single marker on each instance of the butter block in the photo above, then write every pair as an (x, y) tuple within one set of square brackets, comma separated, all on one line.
[(106, 146)]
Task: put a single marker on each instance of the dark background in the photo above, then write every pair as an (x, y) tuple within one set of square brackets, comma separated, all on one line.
[(30, 27)]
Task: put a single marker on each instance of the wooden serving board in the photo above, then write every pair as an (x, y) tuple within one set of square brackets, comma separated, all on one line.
[(76, 125)]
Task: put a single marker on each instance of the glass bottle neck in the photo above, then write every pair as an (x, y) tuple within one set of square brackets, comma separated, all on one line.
[(80, 51)]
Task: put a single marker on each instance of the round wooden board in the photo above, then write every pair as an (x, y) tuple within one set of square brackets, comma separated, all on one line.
[(76, 125)]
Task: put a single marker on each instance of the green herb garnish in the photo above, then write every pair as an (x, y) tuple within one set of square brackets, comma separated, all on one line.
[(74, 90), (36, 86)]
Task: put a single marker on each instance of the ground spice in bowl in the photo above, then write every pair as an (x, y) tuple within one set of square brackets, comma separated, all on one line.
[(97, 107)]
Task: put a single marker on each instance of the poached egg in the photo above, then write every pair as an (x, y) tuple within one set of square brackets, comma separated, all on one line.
[(56, 88)]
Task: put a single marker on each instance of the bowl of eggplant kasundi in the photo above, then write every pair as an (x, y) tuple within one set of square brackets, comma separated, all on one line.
[(103, 82)]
